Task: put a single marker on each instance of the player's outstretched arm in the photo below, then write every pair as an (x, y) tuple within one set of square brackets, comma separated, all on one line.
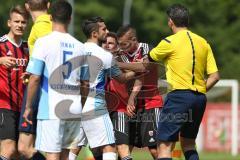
[(135, 66), (124, 77)]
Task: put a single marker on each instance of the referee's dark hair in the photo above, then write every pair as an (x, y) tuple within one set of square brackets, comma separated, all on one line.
[(61, 11), (90, 25), (179, 15)]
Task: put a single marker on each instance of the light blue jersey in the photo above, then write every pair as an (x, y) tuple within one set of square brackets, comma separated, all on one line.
[(57, 58), (101, 64)]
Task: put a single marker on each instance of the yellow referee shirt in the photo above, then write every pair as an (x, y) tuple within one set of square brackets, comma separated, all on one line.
[(188, 58), (41, 27)]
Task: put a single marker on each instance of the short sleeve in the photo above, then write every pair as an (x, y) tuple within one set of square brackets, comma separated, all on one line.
[(211, 63), (163, 49), (38, 30), (84, 73), (31, 39), (146, 49), (37, 61), (114, 70)]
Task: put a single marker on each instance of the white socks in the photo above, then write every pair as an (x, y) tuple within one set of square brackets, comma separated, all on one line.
[(109, 156), (72, 156)]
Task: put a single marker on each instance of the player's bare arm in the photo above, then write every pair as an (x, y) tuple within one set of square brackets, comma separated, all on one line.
[(84, 90), (212, 80), (124, 77), (33, 85), (131, 101), (135, 66)]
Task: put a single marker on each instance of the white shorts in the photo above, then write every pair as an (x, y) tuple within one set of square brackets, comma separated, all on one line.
[(99, 131), (55, 135)]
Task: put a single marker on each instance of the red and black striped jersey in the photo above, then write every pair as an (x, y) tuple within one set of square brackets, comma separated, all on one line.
[(11, 84), (149, 91)]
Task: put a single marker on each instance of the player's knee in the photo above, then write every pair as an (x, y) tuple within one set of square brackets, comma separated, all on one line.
[(23, 150), (123, 150), (109, 148), (164, 149), (153, 151), (9, 152), (96, 152)]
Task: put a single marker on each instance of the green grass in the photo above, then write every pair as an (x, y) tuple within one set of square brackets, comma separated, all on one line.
[(218, 156), (142, 154)]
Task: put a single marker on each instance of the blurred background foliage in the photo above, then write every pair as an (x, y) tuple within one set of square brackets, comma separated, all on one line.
[(216, 20)]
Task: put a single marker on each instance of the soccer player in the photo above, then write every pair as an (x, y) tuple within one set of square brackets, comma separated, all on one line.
[(117, 100), (111, 44), (51, 66), (145, 100), (96, 121), (188, 59), (13, 61), (42, 26)]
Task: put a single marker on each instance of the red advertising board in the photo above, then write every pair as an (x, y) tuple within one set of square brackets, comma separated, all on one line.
[(217, 127)]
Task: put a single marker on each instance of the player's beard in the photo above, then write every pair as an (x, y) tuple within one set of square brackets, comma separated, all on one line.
[(101, 40)]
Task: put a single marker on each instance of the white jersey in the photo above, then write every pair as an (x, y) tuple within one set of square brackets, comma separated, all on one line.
[(101, 64), (57, 58)]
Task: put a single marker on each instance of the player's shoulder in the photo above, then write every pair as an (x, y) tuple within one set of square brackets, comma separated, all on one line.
[(76, 41), (25, 43), (146, 47), (3, 39), (96, 50), (199, 38), (92, 47), (169, 39)]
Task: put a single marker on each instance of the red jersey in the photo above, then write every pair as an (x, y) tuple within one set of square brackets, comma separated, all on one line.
[(11, 85), (149, 95), (116, 95)]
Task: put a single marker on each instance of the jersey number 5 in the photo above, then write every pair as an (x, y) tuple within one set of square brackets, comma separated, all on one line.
[(68, 64)]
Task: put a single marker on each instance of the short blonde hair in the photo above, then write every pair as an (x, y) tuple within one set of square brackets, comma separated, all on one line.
[(20, 10)]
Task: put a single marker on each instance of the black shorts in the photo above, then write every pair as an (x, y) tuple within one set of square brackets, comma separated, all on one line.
[(9, 124), (24, 126), (121, 127), (139, 131), (182, 113)]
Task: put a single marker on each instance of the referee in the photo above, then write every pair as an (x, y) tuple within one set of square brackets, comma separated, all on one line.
[(189, 60)]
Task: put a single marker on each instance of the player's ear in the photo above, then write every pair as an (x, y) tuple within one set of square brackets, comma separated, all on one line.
[(94, 34), (170, 22), (9, 22)]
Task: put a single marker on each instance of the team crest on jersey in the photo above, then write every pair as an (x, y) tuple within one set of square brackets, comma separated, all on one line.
[(150, 133), (9, 53)]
